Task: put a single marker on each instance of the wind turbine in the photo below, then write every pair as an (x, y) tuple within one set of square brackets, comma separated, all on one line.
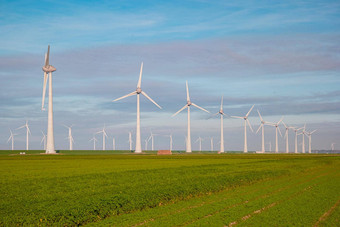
[(200, 142), (296, 135), (146, 144), (286, 135), (303, 139), (189, 103), (11, 138), (270, 146), (222, 136), (48, 69), (151, 137), (130, 140), (309, 134), (332, 146), (27, 131), (43, 140), (94, 142), (70, 137), (262, 126), (137, 92), (245, 150), (212, 144), (113, 143), (276, 125), (104, 135), (170, 136)]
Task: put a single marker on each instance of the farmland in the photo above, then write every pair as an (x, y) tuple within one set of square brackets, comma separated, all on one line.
[(111, 189)]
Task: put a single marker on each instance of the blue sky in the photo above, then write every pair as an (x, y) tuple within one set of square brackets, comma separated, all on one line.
[(281, 56)]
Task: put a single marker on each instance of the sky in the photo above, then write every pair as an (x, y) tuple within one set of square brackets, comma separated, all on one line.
[(282, 56)]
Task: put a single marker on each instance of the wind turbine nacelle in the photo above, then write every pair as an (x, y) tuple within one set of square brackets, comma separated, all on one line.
[(189, 103), (139, 90), (48, 68)]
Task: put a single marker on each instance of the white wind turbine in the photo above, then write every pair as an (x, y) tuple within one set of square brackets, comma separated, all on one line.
[(43, 140), (146, 144), (276, 125), (130, 140), (170, 136), (113, 144), (212, 144), (137, 92), (70, 137), (286, 135), (94, 142), (189, 103), (303, 139), (221, 126), (48, 69), (200, 139), (296, 136), (262, 126), (309, 135), (27, 132), (245, 118), (11, 137), (104, 135), (151, 137), (270, 146), (332, 146)]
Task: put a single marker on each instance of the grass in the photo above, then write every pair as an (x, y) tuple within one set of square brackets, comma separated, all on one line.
[(87, 187)]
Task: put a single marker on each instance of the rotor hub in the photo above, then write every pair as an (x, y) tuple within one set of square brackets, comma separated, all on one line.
[(189, 103), (139, 90), (48, 68)]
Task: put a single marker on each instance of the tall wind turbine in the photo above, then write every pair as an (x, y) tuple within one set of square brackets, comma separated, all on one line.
[(104, 135), (309, 135), (137, 92), (113, 144), (286, 135), (130, 140), (48, 69), (276, 125), (222, 136), (332, 146), (296, 135), (70, 137), (11, 137), (303, 139), (43, 140), (245, 118), (189, 103), (151, 138), (94, 142), (200, 142), (262, 126), (27, 132)]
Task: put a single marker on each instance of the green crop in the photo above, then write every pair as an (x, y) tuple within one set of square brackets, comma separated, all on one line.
[(115, 188)]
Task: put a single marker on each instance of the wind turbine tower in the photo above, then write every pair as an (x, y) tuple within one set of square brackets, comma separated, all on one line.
[(286, 136), (104, 135), (296, 136), (11, 137), (262, 126), (48, 69), (113, 144), (332, 146), (245, 118), (27, 132), (221, 126), (309, 134), (43, 140), (189, 103), (137, 93), (94, 142), (130, 140), (200, 142), (276, 125), (70, 137)]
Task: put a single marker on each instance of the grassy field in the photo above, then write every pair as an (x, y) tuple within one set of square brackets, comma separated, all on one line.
[(121, 189)]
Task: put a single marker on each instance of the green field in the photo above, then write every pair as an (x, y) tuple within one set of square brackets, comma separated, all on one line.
[(122, 189)]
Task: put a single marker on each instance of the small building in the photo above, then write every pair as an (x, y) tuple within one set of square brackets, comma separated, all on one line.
[(164, 152)]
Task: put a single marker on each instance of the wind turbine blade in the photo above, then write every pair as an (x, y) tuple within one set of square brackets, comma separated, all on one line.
[(143, 93), (280, 120), (259, 128), (140, 76), (259, 115), (186, 84), (250, 110), (221, 103), (128, 95), (200, 107), (284, 125), (180, 110), (236, 117), (21, 127), (313, 131), (9, 138), (279, 131), (249, 125), (44, 91), (47, 62), (29, 131), (216, 113)]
